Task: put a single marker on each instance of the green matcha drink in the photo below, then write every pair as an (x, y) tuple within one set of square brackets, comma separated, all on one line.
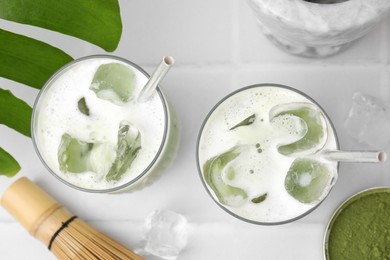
[(360, 227), (91, 131), (259, 154)]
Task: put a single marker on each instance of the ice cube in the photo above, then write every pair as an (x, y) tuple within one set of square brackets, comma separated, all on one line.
[(213, 171), (128, 146), (114, 82), (307, 180), (316, 134), (77, 156), (368, 120), (165, 234), (73, 155)]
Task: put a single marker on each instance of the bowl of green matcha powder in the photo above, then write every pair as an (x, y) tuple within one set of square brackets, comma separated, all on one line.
[(360, 227)]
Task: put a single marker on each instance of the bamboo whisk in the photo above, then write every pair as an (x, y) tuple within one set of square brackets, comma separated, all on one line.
[(67, 236)]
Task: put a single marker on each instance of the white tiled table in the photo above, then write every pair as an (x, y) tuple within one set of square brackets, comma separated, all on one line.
[(218, 49)]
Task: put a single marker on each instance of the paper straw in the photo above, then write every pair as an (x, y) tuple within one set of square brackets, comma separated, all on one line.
[(156, 78), (356, 156)]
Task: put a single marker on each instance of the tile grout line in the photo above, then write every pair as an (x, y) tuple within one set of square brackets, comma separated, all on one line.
[(385, 51), (386, 75), (385, 83), (236, 46), (385, 39), (271, 66), (382, 48)]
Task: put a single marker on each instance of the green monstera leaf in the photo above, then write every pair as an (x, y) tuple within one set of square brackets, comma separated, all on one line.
[(96, 21), (16, 114), (27, 60), (8, 165)]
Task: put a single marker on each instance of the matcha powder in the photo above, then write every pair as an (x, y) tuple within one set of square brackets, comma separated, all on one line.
[(362, 229)]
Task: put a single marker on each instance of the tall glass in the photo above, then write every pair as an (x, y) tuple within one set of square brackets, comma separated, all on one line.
[(259, 154), (92, 134)]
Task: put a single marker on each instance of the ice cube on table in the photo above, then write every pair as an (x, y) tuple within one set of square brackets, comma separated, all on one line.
[(114, 82), (128, 146), (213, 171), (165, 233), (307, 180), (77, 156), (316, 127), (368, 120)]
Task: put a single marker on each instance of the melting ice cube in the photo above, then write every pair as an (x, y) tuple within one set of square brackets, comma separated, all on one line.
[(213, 170), (315, 136), (369, 120), (73, 155), (165, 233), (129, 144), (77, 156), (114, 82), (307, 180)]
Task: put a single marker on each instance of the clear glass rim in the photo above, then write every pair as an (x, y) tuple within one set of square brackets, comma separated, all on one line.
[(342, 206), (48, 84), (200, 168)]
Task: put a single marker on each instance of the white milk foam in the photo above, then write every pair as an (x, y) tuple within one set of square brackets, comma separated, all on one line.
[(264, 172), (57, 113)]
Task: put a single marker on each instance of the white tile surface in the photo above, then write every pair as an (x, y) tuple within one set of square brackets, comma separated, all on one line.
[(386, 36), (210, 240), (158, 28), (218, 49)]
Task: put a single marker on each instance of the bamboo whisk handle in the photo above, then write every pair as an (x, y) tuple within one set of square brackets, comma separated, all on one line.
[(67, 236)]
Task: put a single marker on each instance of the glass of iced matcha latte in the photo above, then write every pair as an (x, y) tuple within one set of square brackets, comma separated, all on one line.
[(93, 132), (268, 154)]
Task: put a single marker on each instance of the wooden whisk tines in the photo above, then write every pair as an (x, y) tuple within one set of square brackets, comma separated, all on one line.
[(65, 235)]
